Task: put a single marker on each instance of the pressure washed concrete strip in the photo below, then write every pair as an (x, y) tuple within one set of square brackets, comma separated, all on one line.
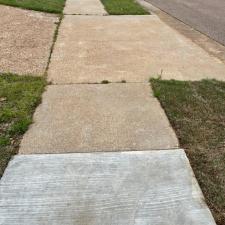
[(97, 117), (25, 40), (135, 188), (131, 48), (84, 7)]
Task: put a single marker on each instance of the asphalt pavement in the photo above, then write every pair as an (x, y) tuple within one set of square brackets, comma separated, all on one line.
[(206, 16)]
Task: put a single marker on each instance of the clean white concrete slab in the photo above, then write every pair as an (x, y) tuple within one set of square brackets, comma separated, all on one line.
[(120, 188), (84, 7)]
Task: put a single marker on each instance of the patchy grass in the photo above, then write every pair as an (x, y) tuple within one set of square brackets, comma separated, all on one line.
[(123, 7), (196, 110), (53, 42), (19, 96), (51, 6), (105, 82)]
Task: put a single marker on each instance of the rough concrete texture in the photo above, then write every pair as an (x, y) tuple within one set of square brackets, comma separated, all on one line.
[(25, 40), (92, 49), (126, 188), (206, 16), (84, 7), (110, 117), (212, 47)]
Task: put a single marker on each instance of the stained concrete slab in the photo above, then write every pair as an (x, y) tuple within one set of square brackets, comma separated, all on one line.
[(26, 38), (86, 118), (84, 7), (205, 42), (119, 188), (206, 16), (133, 48)]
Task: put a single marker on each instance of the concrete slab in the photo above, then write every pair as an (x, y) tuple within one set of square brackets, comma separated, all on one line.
[(206, 16), (86, 118), (84, 7), (205, 42), (25, 40), (127, 188), (92, 49)]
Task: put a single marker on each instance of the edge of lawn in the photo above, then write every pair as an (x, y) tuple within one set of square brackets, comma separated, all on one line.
[(124, 7), (19, 97), (34, 7), (196, 111)]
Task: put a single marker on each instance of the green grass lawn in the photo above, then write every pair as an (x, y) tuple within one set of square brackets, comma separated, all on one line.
[(19, 96), (196, 111), (123, 7), (51, 6)]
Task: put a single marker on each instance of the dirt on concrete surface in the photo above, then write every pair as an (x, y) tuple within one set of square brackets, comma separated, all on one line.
[(84, 7), (25, 40), (211, 46), (98, 117), (127, 48), (205, 16)]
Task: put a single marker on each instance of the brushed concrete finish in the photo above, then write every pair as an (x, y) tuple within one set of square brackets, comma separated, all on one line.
[(84, 7), (126, 188), (207, 16), (110, 117), (133, 48), (25, 40)]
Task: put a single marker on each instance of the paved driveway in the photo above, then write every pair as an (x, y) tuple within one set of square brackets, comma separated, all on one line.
[(207, 16)]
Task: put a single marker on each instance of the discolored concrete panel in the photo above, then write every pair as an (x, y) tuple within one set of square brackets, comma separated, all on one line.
[(118, 188), (84, 7), (26, 38), (131, 48), (206, 16), (86, 118)]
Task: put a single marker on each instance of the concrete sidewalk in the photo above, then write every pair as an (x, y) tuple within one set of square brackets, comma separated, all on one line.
[(123, 188), (97, 117), (84, 7), (154, 184), (131, 48)]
